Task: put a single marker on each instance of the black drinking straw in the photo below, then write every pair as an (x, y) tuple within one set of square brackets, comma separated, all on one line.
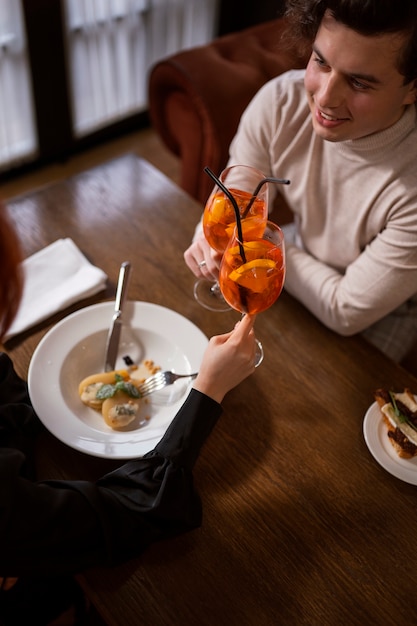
[(235, 207), (267, 179)]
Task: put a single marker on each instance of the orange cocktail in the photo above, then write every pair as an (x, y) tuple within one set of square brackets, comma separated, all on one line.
[(240, 190), (219, 218), (252, 271)]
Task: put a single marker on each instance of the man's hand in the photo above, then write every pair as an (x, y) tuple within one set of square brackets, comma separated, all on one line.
[(202, 260)]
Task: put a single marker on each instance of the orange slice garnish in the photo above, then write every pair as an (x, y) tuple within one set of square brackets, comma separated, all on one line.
[(254, 274)]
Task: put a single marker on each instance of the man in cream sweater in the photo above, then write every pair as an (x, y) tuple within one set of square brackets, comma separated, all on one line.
[(344, 132)]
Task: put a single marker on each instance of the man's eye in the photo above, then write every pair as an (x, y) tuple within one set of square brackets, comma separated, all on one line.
[(318, 61), (357, 84)]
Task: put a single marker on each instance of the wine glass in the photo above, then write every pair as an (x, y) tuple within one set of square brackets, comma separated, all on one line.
[(252, 271), (219, 220)]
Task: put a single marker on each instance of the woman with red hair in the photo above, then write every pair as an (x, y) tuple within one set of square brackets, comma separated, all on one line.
[(10, 274)]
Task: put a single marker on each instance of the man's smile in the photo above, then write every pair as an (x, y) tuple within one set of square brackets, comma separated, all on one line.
[(327, 120)]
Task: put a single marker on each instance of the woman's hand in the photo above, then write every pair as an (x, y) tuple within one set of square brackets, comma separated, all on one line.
[(202, 259), (228, 359)]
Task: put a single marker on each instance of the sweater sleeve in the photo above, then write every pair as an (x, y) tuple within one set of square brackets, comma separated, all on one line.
[(379, 281), (66, 526)]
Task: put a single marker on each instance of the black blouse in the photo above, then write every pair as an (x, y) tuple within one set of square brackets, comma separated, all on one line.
[(60, 527)]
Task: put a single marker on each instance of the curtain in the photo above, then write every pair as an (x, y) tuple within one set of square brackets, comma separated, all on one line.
[(18, 140), (111, 45)]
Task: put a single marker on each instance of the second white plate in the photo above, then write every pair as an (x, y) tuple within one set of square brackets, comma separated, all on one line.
[(375, 433)]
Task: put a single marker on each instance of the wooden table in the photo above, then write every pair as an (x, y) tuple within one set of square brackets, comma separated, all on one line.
[(301, 524)]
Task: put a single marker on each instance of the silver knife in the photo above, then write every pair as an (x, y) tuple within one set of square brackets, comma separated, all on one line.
[(113, 337)]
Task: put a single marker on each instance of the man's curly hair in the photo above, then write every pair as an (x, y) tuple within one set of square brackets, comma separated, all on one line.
[(367, 17)]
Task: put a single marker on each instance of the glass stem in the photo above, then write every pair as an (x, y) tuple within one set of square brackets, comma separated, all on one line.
[(215, 289), (259, 354)]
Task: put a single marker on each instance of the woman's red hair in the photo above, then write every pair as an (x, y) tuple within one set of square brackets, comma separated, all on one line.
[(11, 279)]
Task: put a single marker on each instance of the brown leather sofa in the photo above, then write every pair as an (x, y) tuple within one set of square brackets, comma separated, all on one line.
[(196, 97)]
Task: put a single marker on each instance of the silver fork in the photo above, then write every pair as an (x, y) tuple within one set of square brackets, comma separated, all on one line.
[(159, 381)]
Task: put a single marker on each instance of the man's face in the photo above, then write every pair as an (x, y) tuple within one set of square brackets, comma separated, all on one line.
[(352, 84)]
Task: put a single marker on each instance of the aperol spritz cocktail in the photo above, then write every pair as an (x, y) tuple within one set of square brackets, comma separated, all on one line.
[(219, 221), (252, 271), (219, 218)]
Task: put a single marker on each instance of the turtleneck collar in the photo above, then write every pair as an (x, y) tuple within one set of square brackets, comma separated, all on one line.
[(378, 144)]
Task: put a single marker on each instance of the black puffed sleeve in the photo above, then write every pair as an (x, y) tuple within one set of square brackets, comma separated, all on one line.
[(66, 526)]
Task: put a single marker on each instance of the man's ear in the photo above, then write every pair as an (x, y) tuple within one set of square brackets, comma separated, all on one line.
[(411, 96)]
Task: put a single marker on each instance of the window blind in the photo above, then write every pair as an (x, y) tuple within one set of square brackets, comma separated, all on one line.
[(18, 140), (111, 45)]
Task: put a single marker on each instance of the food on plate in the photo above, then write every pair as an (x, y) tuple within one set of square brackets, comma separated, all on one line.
[(89, 387), (116, 394), (399, 411)]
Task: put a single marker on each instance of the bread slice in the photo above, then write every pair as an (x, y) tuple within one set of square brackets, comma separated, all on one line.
[(401, 428)]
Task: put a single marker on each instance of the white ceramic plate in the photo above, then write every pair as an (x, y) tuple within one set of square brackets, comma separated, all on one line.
[(375, 433), (75, 348)]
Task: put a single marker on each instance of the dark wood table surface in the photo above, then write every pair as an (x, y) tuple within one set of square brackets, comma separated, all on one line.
[(301, 525)]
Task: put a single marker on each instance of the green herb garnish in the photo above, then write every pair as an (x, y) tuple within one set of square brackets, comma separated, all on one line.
[(403, 418), (108, 391)]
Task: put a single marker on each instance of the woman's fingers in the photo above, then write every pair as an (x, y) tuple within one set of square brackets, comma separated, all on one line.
[(244, 326)]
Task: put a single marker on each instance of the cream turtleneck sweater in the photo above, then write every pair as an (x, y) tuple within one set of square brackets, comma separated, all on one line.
[(355, 207)]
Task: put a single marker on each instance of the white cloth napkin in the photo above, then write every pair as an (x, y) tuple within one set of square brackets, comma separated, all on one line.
[(54, 278)]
